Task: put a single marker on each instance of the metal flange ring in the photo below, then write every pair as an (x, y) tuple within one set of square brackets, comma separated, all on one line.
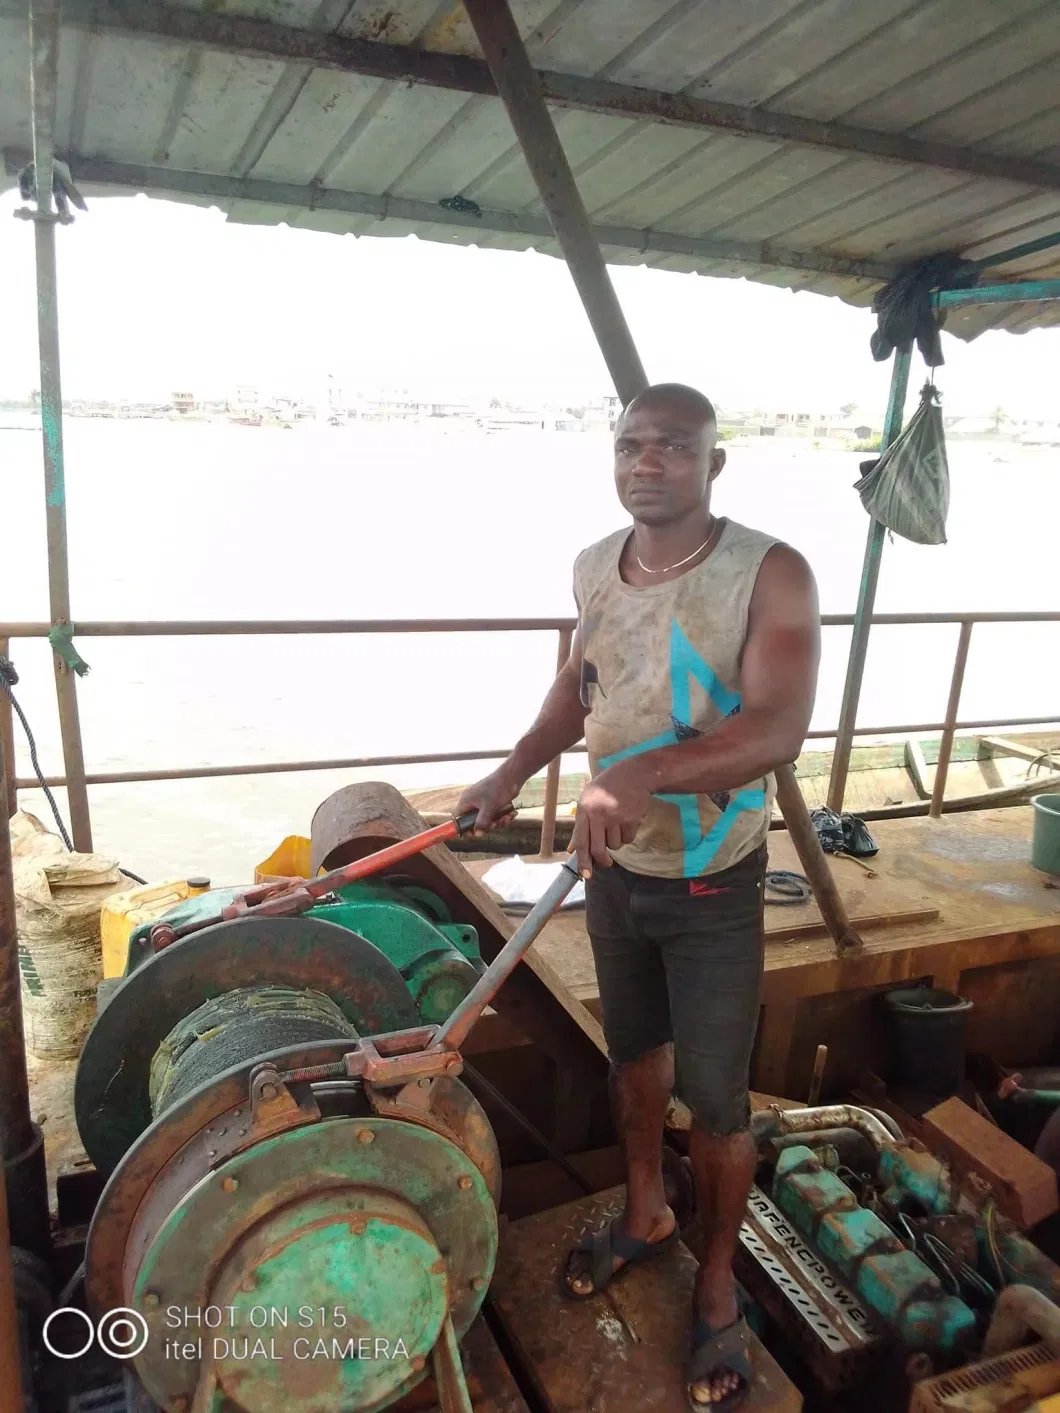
[(353, 1178), (179, 1140)]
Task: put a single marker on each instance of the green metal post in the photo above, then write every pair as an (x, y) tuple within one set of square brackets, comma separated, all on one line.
[(870, 574), (999, 294), (1015, 252), (44, 79)]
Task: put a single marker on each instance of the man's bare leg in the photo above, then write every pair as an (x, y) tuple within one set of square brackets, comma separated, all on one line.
[(640, 1096), (723, 1169)]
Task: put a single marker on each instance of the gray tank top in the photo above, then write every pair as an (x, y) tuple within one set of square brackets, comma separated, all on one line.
[(661, 665)]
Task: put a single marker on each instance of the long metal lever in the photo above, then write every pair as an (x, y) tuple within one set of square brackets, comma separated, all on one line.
[(459, 1025)]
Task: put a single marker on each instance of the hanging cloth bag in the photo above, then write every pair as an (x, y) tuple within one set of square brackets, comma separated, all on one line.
[(908, 488)]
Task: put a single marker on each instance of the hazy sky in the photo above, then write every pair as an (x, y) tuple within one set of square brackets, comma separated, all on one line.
[(155, 296)]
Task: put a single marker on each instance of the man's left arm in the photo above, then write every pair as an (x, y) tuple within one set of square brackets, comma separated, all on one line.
[(778, 681)]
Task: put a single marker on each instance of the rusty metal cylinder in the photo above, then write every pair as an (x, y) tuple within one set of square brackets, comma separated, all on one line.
[(21, 1141), (26, 1181)]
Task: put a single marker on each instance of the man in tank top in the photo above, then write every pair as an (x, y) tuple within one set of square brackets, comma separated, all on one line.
[(692, 676)]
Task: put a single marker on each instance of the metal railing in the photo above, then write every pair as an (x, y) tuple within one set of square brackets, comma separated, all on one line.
[(562, 627)]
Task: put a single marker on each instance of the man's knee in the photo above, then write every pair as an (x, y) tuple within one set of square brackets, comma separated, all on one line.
[(718, 1110)]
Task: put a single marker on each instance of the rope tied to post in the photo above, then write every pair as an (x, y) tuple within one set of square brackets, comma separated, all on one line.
[(61, 640)]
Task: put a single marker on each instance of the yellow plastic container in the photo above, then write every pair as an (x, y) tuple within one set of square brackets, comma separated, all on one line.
[(289, 860), (124, 912)]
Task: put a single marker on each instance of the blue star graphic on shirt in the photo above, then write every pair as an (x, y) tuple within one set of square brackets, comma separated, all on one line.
[(687, 665)]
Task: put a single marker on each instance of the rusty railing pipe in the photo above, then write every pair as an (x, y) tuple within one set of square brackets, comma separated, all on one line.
[(7, 746), (264, 627), (292, 767)]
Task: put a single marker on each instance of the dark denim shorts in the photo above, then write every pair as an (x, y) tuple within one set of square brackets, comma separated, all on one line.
[(680, 960)]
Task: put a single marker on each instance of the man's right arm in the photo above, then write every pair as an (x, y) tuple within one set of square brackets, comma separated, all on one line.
[(560, 724)]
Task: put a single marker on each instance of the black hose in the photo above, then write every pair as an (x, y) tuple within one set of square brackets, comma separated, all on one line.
[(9, 679), (66, 1295), (788, 889)]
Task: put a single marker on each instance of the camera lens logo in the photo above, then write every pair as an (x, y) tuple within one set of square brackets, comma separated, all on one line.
[(121, 1333)]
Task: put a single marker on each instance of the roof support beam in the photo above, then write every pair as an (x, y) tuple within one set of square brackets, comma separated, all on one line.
[(520, 92), (236, 34), (92, 171)]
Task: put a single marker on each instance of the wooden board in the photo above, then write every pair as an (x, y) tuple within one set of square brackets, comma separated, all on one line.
[(625, 1350), (991, 930), (871, 902)]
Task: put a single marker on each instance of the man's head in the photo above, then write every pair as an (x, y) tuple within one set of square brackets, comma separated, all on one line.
[(666, 454)]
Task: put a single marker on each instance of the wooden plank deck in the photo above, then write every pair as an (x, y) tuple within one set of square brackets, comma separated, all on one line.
[(995, 938)]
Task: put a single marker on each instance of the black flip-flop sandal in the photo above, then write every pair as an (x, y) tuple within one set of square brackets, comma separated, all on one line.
[(602, 1247), (727, 1350)]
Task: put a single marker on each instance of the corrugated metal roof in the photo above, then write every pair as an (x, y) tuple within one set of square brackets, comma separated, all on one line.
[(333, 150)]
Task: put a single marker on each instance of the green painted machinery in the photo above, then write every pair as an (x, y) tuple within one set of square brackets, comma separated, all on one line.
[(301, 1204), (438, 959), (300, 1213), (294, 1221)]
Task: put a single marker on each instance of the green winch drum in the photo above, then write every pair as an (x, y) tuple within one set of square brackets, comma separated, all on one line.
[(238, 1026)]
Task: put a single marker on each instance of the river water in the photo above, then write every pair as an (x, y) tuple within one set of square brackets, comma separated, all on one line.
[(211, 520)]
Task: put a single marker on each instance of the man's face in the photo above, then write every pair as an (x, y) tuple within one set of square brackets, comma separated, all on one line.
[(665, 460)]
